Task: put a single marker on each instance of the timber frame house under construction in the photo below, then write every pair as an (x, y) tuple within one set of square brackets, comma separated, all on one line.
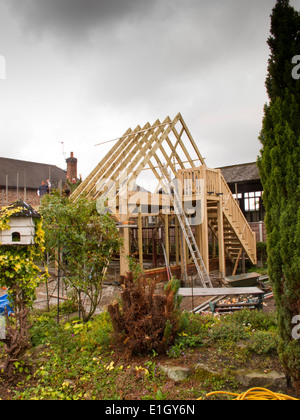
[(184, 222)]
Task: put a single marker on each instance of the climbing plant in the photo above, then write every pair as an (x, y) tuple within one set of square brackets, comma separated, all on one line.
[(21, 276)]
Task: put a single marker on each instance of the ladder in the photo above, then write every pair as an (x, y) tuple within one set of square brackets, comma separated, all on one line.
[(187, 231)]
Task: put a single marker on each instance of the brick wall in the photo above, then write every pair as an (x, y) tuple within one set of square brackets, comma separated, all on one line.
[(260, 229), (29, 197), (72, 168), (160, 274)]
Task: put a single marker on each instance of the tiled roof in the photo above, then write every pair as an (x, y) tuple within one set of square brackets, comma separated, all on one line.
[(25, 210), (30, 173), (241, 173)]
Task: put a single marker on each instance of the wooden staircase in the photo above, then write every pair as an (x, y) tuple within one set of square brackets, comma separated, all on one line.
[(237, 235)]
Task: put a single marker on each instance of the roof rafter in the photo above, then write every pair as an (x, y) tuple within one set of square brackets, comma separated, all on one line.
[(134, 151)]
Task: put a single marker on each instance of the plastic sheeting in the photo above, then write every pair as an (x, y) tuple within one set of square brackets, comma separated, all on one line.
[(5, 305)]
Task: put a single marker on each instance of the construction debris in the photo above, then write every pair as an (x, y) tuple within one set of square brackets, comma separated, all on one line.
[(236, 303)]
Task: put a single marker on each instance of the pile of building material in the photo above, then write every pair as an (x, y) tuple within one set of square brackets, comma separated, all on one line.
[(235, 303)]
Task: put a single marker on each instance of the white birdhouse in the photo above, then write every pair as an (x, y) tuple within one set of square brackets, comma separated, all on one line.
[(22, 226)]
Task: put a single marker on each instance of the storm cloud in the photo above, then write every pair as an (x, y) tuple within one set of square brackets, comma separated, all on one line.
[(81, 17), (75, 17), (83, 71)]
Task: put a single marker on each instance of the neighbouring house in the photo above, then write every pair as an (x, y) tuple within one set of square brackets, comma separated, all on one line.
[(20, 180), (245, 184)]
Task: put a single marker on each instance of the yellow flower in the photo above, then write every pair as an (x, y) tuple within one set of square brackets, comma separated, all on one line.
[(140, 368), (66, 384), (110, 366)]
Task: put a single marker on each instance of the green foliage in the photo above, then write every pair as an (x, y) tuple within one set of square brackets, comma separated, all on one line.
[(284, 43), (75, 360), (279, 165), (134, 267), (20, 274), (5, 215), (258, 320), (87, 241), (258, 329), (43, 329), (264, 342), (18, 269), (262, 253), (228, 332)]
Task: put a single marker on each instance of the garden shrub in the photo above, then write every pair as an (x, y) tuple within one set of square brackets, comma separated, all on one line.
[(264, 342), (146, 321), (258, 320)]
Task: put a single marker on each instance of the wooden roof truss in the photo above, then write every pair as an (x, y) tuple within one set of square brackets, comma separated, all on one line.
[(167, 144)]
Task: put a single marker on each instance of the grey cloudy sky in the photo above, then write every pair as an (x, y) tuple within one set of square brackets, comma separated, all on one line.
[(84, 71)]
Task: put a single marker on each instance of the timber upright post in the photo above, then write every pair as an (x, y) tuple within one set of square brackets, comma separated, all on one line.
[(140, 236), (222, 261), (124, 251), (204, 225), (124, 232), (181, 239)]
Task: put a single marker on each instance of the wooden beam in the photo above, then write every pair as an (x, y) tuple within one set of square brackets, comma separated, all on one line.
[(221, 242), (139, 152), (192, 141), (237, 262), (167, 239), (183, 162), (198, 291), (93, 174), (187, 155), (174, 152), (169, 162), (140, 237), (149, 151), (124, 252), (204, 225), (146, 154), (111, 160), (119, 138), (115, 170), (177, 242)]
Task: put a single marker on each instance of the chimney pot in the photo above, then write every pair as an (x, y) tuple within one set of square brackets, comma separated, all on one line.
[(72, 168)]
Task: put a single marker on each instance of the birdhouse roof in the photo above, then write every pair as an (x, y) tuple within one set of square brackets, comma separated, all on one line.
[(26, 210)]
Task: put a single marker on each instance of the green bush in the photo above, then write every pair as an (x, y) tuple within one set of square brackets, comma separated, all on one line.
[(264, 342), (228, 332), (258, 320), (44, 329)]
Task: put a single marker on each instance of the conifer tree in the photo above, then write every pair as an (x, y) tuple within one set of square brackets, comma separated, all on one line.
[(279, 165)]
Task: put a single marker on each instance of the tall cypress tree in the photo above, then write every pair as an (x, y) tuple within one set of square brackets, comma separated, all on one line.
[(284, 44), (279, 165)]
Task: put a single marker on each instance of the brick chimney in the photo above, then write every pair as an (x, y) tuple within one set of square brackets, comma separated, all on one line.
[(72, 169)]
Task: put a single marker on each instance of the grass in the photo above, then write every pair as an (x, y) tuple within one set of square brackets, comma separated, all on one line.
[(78, 361)]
